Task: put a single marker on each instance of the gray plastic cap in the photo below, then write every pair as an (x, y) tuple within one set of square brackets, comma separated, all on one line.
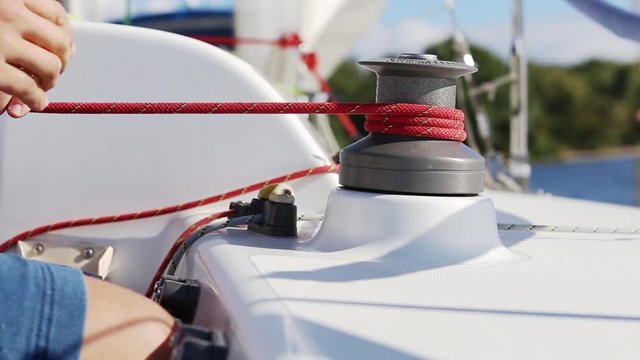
[(403, 164)]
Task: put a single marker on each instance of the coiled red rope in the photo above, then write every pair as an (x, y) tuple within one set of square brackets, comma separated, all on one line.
[(166, 210), (427, 121)]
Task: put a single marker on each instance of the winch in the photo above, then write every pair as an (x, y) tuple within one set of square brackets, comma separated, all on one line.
[(412, 199), (407, 164)]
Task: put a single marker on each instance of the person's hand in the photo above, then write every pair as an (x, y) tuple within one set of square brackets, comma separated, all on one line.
[(36, 44)]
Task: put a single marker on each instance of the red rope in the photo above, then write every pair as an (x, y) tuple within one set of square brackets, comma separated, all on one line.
[(395, 119), (309, 58), (247, 108), (176, 246), (166, 210), (285, 41), (429, 127)]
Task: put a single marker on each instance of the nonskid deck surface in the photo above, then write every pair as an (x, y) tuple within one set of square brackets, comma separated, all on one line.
[(574, 295)]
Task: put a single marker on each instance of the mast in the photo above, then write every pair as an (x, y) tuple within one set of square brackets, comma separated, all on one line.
[(519, 166)]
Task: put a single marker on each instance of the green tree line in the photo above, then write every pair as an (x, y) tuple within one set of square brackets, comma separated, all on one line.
[(589, 106)]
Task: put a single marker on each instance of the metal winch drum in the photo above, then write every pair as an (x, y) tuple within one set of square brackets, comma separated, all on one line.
[(406, 164)]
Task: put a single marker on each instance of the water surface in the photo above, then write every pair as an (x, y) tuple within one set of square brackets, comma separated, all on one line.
[(605, 179)]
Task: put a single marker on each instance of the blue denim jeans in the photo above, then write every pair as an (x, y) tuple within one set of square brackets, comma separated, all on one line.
[(42, 310)]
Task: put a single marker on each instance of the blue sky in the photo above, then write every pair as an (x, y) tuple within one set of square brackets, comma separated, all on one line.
[(554, 31), (479, 12)]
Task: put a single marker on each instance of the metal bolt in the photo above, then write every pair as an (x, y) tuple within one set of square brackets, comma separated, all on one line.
[(39, 249), (282, 194), (88, 253)]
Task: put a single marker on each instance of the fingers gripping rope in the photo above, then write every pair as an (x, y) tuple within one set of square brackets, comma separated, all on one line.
[(394, 119)]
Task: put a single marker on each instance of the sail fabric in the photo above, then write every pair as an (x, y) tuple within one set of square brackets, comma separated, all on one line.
[(622, 22), (328, 27)]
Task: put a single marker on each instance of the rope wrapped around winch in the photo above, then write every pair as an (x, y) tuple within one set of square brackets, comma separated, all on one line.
[(417, 120)]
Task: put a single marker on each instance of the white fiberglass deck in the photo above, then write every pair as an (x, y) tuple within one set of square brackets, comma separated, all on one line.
[(571, 295)]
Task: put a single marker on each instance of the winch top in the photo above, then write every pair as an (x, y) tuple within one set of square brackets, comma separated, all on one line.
[(418, 65)]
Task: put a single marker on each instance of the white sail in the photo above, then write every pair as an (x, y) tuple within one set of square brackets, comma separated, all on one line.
[(328, 27), (96, 10)]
